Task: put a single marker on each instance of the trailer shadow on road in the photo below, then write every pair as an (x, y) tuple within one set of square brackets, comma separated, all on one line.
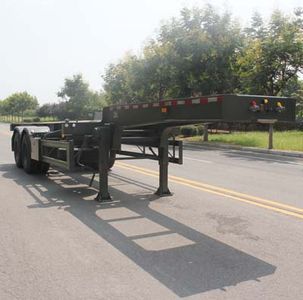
[(184, 260)]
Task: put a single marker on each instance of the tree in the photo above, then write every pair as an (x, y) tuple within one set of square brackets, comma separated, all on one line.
[(47, 110), (294, 89), (123, 81), (17, 103), (273, 54), (299, 96), (79, 99), (257, 30), (192, 54)]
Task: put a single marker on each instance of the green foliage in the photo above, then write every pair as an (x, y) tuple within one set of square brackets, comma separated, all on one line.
[(192, 55), (296, 91), (205, 45), (273, 54), (191, 130), (205, 52), (79, 100), (34, 119), (17, 103), (286, 140)]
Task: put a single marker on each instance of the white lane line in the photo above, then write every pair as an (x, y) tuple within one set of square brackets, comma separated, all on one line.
[(199, 160), (271, 159), (257, 157)]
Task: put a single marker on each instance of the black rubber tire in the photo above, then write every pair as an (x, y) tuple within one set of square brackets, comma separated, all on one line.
[(29, 165), (17, 149)]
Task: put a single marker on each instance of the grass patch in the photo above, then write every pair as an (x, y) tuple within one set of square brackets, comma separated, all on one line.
[(9, 119), (286, 140)]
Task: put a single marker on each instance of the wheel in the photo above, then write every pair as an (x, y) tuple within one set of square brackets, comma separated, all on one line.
[(17, 149), (29, 165)]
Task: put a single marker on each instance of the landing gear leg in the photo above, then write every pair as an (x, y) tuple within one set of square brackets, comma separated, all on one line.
[(104, 152), (163, 189)]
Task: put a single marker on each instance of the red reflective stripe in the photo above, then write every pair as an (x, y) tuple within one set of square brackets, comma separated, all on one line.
[(188, 102), (174, 102), (203, 100)]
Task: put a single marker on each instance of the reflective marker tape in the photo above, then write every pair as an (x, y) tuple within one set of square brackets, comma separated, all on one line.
[(195, 101), (169, 103)]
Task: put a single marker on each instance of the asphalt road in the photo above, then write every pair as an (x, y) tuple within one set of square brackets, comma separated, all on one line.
[(233, 229)]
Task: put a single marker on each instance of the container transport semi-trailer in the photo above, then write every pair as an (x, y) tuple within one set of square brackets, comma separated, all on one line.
[(95, 144)]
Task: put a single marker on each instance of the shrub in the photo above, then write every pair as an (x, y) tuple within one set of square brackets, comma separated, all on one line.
[(189, 130)]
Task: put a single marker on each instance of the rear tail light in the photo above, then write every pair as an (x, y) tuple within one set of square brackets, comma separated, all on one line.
[(254, 107), (264, 106), (279, 107)]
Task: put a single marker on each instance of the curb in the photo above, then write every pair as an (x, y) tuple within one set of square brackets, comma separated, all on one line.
[(297, 154)]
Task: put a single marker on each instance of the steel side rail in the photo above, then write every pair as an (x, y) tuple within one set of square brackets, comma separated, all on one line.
[(68, 146)]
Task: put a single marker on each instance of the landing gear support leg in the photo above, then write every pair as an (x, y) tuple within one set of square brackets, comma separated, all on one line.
[(163, 189), (104, 151)]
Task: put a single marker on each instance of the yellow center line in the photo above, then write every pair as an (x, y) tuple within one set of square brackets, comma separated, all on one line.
[(268, 204)]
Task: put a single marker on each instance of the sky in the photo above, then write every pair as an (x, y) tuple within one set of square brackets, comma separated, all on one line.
[(42, 42)]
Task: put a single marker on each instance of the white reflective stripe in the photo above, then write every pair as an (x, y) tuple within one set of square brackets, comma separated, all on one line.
[(195, 101), (213, 99), (145, 105), (126, 106), (156, 104), (118, 107), (167, 103), (135, 106), (180, 102)]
